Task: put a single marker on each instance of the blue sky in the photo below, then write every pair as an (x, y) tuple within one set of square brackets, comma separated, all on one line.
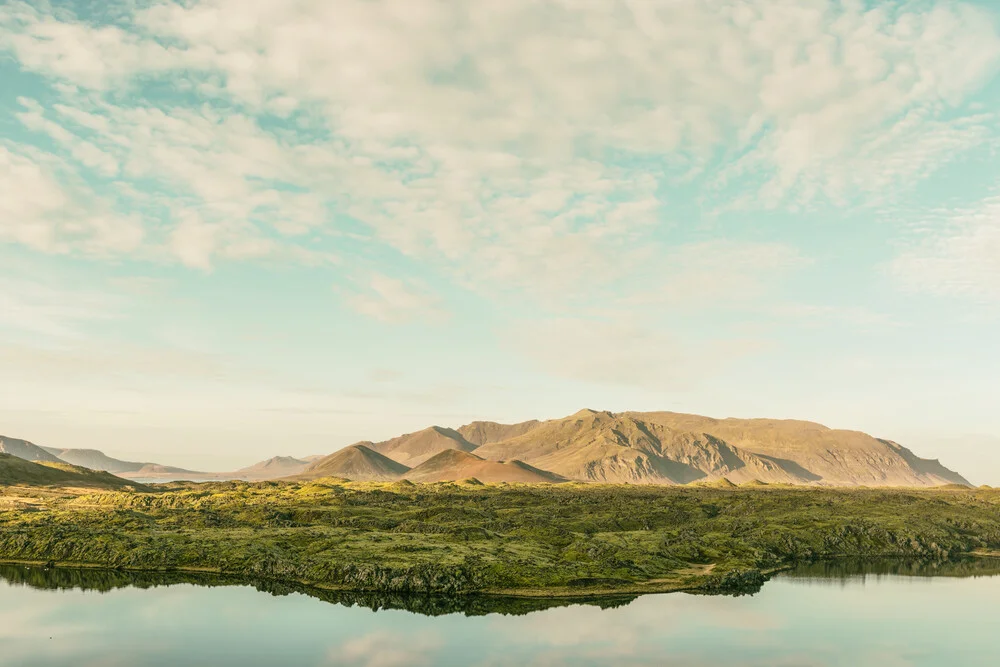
[(234, 229)]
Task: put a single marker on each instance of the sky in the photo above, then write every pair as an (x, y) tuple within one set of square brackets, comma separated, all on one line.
[(232, 229)]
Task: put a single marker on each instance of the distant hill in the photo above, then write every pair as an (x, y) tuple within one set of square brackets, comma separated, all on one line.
[(95, 460), (23, 449), (18, 471), (275, 467), (356, 462), (413, 449), (91, 459), (455, 465)]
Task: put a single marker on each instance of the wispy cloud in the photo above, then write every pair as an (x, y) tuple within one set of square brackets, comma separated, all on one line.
[(393, 300), (497, 142), (955, 254)]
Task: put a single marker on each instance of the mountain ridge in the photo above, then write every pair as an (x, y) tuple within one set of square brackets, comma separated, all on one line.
[(358, 462), (590, 446)]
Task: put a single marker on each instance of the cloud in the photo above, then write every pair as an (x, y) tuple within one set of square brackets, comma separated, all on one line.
[(382, 649), (517, 148), (957, 254), (392, 300), (38, 309), (43, 208), (726, 271)]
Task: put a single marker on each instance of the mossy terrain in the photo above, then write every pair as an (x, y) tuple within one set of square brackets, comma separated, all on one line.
[(566, 539)]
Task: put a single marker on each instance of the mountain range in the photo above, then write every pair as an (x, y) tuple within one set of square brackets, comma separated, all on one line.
[(15, 470), (643, 448), (589, 446)]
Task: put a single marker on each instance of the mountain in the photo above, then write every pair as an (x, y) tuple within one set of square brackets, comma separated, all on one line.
[(590, 446), (157, 469), (356, 462), (23, 449), (671, 448), (94, 459), (16, 471), (275, 467), (831, 456), (484, 433), (454, 465), (413, 449), (91, 459)]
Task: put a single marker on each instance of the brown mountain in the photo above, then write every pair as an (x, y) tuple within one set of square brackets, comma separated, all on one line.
[(671, 448), (17, 471), (275, 467), (356, 462), (413, 449), (95, 460), (454, 465), (832, 456), (23, 449), (484, 433)]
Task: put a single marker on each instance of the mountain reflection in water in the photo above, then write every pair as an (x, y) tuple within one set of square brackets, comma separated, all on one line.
[(871, 616)]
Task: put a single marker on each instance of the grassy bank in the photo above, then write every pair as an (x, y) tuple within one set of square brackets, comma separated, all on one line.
[(459, 539)]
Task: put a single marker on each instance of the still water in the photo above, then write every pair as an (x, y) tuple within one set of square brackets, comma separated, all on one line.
[(880, 614)]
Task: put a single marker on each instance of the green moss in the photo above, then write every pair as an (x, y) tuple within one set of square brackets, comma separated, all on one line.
[(449, 538)]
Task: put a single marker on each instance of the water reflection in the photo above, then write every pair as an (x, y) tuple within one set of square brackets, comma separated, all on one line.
[(91, 618), (101, 580), (858, 568)]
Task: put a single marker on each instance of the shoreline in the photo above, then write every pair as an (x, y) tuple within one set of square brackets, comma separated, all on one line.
[(689, 583)]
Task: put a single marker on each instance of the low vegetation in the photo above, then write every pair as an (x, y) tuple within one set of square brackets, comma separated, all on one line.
[(565, 539)]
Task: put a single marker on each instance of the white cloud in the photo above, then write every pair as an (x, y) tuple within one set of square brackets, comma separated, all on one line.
[(381, 649), (958, 255), (726, 271), (478, 135), (392, 300), (495, 144), (38, 309), (42, 208)]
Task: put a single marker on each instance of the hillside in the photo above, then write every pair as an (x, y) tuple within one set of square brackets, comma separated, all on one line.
[(413, 449), (484, 433), (846, 458), (23, 449), (455, 465), (95, 460), (17, 471), (274, 467), (91, 459), (356, 462), (670, 448)]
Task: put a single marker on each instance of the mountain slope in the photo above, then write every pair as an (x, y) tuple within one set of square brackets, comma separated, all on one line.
[(601, 447), (413, 449), (356, 462), (23, 449), (275, 467), (667, 448), (454, 465), (17, 471), (837, 457), (95, 460), (484, 433)]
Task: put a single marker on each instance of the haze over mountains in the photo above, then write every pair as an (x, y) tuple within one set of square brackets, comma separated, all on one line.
[(15, 470), (589, 446)]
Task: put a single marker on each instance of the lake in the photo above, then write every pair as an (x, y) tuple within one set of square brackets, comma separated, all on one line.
[(884, 614)]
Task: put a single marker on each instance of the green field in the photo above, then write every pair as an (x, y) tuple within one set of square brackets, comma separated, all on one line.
[(567, 539)]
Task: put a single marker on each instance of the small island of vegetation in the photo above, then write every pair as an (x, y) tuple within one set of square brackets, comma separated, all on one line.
[(469, 538)]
